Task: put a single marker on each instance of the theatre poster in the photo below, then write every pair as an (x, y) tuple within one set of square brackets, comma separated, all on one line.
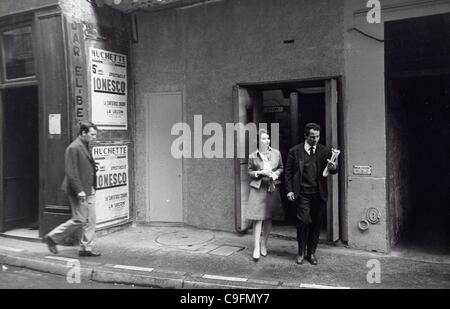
[(108, 71), (112, 199)]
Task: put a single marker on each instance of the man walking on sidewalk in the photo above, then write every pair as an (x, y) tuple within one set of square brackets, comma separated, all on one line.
[(79, 185), (308, 188)]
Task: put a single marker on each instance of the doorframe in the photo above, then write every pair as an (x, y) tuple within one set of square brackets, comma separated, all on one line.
[(2, 196), (240, 225), (332, 132), (8, 23), (237, 163), (342, 220)]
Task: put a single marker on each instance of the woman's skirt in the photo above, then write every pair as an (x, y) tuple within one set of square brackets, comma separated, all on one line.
[(262, 204)]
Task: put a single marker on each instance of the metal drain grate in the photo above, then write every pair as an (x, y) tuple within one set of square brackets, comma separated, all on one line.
[(226, 250)]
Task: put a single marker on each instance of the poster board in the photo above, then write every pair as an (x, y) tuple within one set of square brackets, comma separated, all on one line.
[(109, 89), (112, 199)]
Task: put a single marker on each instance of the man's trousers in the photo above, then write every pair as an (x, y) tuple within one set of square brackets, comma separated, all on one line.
[(83, 217), (310, 210)]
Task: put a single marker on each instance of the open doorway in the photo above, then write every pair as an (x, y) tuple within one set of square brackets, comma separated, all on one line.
[(291, 105), (20, 166), (421, 113), (418, 129), (278, 108)]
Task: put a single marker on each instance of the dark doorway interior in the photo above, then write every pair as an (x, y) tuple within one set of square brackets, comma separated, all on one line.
[(418, 113), (423, 108), (20, 158)]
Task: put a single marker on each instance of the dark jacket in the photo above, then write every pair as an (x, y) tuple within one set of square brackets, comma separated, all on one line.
[(294, 169), (79, 169)]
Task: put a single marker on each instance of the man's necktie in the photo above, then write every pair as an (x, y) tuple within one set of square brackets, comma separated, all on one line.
[(311, 151)]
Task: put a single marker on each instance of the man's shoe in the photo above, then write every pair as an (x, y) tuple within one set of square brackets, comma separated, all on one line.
[(50, 244), (89, 253), (300, 259), (312, 259)]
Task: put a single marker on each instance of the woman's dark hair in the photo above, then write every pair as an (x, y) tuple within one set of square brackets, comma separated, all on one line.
[(311, 126), (85, 126)]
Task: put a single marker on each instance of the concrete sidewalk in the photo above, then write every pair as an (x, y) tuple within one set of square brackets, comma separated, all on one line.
[(184, 257)]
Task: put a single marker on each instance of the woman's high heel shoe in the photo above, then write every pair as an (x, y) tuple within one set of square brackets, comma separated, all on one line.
[(263, 250), (256, 254)]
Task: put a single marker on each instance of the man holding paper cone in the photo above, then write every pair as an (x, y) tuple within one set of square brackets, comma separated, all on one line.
[(307, 188)]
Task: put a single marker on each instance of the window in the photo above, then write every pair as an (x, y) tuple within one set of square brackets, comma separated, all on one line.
[(18, 59)]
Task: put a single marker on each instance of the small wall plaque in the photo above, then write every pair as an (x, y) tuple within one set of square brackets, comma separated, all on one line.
[(54, 123), (362, 170)]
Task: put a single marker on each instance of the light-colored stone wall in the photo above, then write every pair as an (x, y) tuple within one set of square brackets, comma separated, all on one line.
[(364, 118), (203, 51)]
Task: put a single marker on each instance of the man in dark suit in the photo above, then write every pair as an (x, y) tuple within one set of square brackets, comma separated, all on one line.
[(308, 189), (79, 185)]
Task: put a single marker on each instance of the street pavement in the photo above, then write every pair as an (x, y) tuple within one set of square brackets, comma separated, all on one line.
[(185, 257)]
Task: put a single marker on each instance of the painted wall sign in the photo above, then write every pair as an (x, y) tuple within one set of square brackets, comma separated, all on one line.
[(78, 89), (362, 170), (108, 89), (112, 196)]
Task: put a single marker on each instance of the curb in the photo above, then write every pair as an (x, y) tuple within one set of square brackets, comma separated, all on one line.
[(52, 267), (155, 279), (105, 276)]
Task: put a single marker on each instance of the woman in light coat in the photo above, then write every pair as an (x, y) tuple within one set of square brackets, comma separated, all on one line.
[(264, 169)]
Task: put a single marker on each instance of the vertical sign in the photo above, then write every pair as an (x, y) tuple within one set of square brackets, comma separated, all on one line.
[(112, 201), (108, 89), (78, 89)]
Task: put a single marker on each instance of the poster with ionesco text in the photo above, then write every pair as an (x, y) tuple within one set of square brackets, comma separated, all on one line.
[(108, 89), (112, 202)]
